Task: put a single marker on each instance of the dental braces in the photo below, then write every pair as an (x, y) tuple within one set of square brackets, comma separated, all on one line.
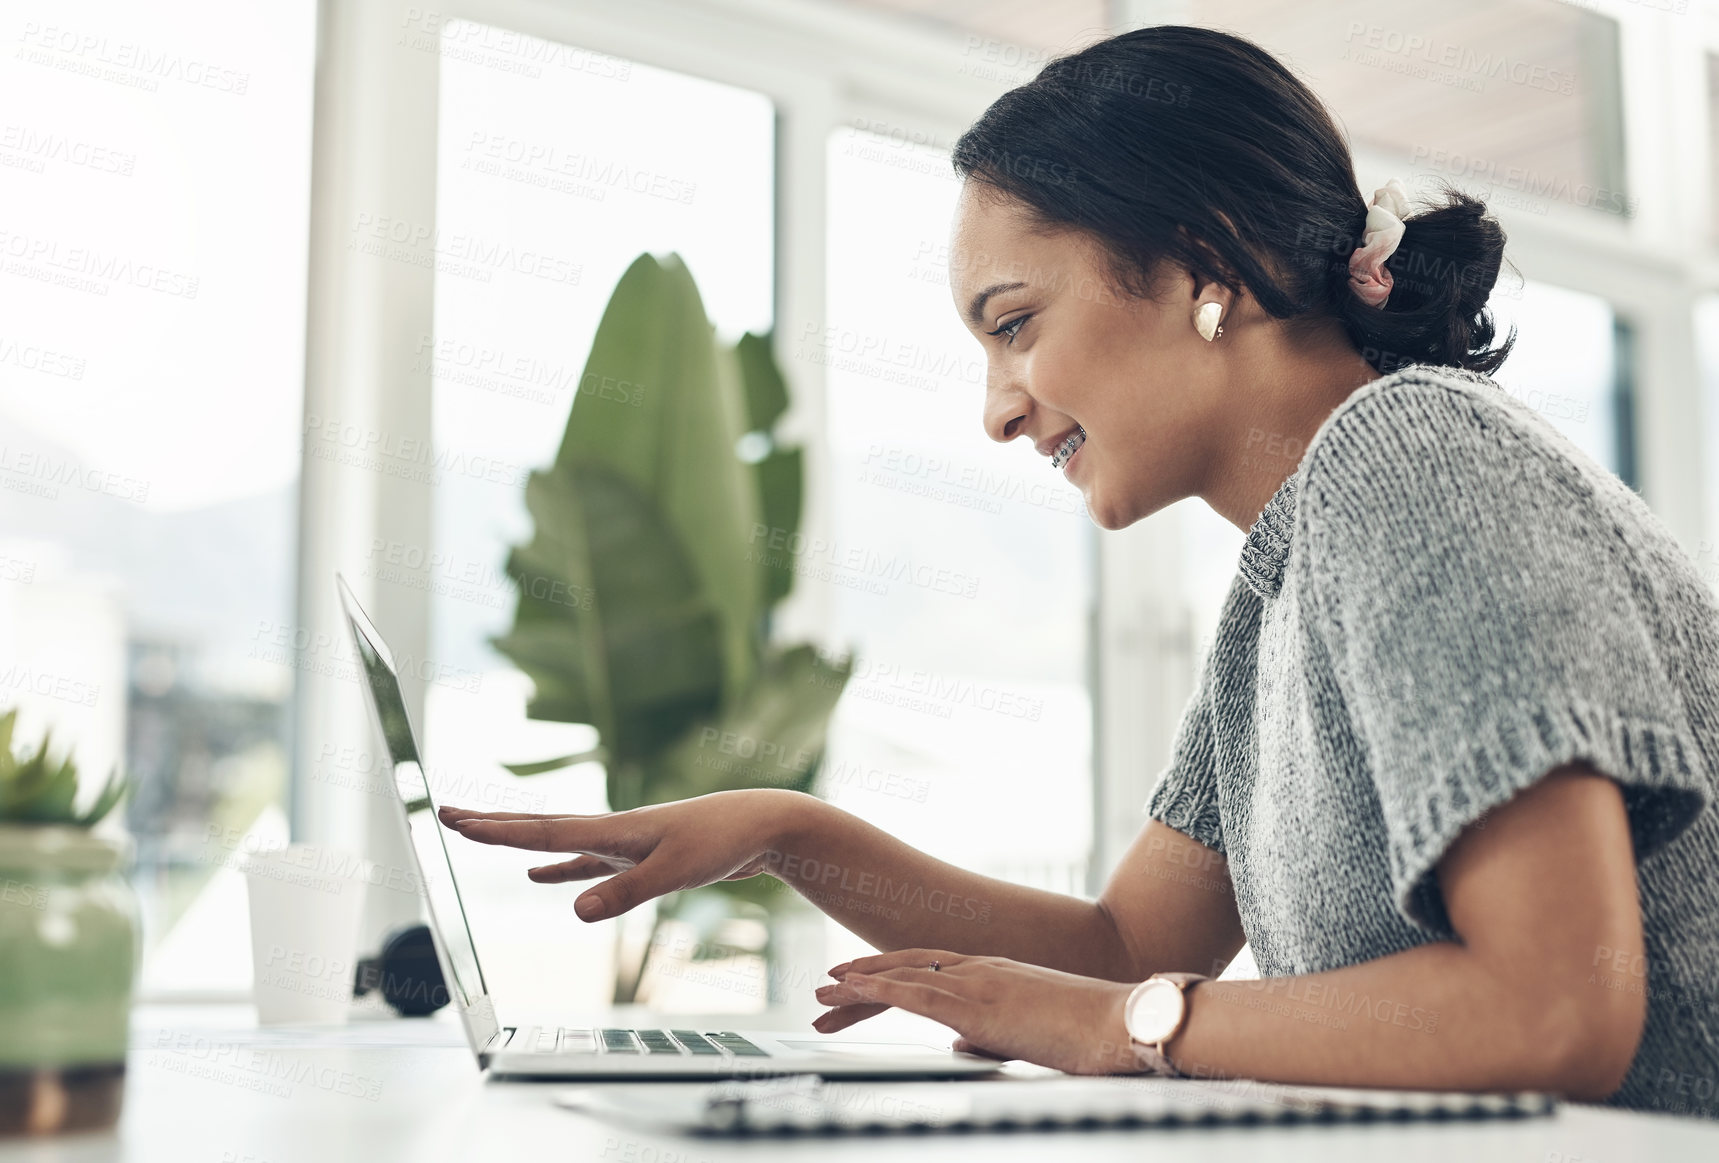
[(1066, 448)]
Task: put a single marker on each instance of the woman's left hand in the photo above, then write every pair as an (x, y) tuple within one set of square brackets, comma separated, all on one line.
[(1000, 1008)]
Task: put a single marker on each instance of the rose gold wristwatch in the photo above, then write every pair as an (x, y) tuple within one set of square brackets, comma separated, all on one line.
[(1154, 1013)]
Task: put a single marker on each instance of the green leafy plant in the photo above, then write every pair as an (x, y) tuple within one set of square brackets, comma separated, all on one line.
[(663, 537), (36, 789)]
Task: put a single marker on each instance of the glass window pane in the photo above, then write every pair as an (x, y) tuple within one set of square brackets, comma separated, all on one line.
[(583, 161), (961, 569), (1565, 364), (155, 169), (1516, 100)]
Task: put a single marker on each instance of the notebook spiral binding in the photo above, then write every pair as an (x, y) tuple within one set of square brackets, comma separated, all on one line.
[(808, 1105)]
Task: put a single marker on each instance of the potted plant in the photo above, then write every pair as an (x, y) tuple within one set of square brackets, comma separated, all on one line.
[(665, 532), (68, 947)]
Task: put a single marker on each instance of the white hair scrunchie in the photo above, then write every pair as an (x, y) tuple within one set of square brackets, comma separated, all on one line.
[(1368, 277)]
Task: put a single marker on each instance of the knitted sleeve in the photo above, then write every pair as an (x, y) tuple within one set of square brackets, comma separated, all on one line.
[(1186, 796), (1487, 624)]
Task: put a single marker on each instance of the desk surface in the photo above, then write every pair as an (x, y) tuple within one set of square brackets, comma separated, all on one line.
[(204, 1086)]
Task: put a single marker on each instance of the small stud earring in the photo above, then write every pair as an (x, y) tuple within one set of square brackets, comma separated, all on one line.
[(1206, 321)]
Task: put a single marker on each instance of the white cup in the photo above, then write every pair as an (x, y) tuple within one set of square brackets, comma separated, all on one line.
[(306, 903)]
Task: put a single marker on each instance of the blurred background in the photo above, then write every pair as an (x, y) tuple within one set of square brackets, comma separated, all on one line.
[(299, 287)]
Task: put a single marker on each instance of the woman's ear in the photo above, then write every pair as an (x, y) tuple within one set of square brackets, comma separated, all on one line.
[(1194, 288)]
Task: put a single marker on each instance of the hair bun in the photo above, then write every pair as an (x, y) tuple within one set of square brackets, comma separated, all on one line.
[(1443, 273)]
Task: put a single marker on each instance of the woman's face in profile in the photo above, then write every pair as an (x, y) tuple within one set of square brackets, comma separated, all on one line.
[(1067, 350)]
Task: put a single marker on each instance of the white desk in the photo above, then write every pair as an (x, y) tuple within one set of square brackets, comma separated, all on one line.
[(201, 1088)]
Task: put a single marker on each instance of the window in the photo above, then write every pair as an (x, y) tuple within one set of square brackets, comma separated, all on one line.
[(1519, 101), (155, 167), (961, 570), (581, 161), (1570, 365)]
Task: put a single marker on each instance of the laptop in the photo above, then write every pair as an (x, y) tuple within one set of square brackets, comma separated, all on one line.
[(586, 1051)]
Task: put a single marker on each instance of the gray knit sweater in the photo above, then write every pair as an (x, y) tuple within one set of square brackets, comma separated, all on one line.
[(1445, 601)]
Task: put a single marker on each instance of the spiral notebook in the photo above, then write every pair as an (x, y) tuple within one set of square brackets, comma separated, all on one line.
[(807, 1104)]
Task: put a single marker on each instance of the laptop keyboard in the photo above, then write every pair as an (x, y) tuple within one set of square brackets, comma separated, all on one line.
[(679, 1043)]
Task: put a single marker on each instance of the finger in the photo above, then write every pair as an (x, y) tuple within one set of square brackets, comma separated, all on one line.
[(928, 1001), (622, 893), (940, 1005), (880, 962), (449, 814), (838, 990), (538, 834), (963, 1046), (922, 974), (583, 868), (842, 1017)]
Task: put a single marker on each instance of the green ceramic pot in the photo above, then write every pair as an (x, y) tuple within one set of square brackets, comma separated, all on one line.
[(68, 957)]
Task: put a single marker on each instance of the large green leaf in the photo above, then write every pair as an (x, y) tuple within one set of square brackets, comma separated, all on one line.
[(652, 406), (766, 391), (656, 555), (778, 476), (772, 737), (555, 638), (643, 622), (777, 473)]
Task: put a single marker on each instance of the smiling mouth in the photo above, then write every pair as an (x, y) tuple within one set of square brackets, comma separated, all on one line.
[(1067, 448)]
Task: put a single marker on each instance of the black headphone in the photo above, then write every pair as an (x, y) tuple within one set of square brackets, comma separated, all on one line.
[(407, 973)]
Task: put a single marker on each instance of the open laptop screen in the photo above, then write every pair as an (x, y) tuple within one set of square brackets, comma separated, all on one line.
[(429, 838)]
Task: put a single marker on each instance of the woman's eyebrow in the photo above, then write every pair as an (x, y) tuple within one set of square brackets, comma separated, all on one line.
[(976, 309)]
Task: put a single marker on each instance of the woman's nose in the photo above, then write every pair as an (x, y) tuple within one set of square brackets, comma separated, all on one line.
[(1006, 412)]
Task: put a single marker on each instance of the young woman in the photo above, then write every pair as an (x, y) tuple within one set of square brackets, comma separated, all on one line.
[(1449, 768)]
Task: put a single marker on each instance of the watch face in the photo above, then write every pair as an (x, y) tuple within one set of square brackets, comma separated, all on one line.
[(1155, 1012)]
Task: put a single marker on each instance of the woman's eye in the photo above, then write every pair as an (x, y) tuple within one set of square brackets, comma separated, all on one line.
[(1010, 328)]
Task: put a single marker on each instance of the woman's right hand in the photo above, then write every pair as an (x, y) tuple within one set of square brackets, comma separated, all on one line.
[(649, 851)]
